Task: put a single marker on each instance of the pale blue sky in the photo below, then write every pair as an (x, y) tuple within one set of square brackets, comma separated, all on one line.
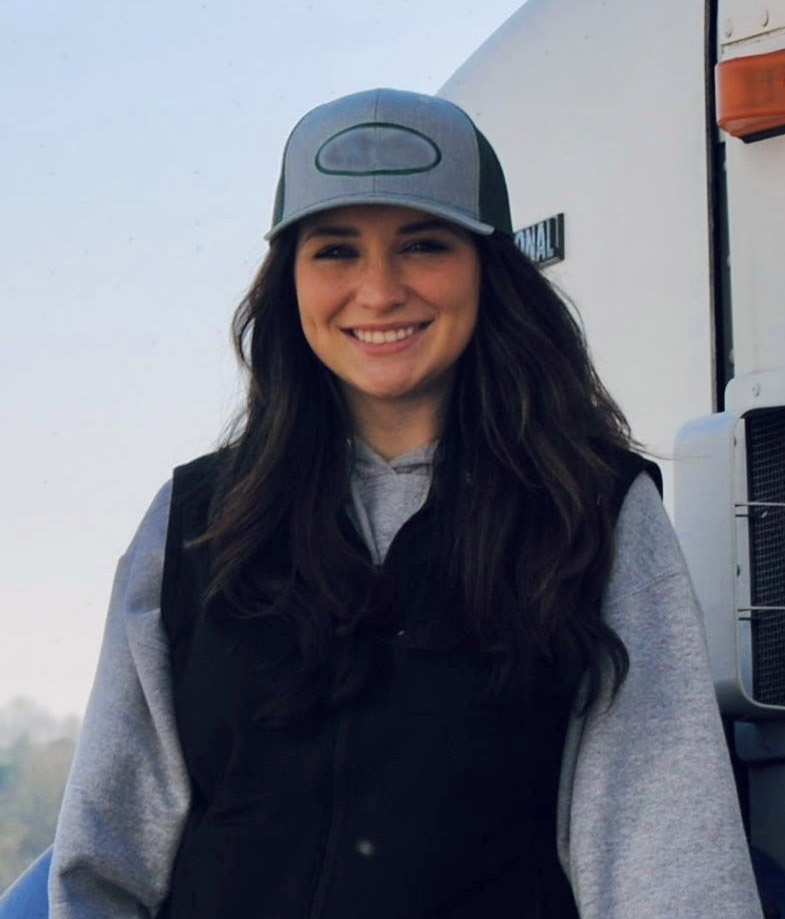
[(139, 149)]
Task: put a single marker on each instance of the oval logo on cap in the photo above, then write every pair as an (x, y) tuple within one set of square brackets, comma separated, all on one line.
[(377, 149)]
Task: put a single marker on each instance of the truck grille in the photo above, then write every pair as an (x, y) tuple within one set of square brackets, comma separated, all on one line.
[(765, 430)]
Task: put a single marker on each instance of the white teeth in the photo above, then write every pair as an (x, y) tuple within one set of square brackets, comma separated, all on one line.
[(380, 338)]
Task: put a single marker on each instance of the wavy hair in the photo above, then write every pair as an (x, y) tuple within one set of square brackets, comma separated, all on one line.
[(524, 486)]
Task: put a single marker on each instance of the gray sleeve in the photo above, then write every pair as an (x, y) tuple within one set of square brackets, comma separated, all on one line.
[(128, 792), (649, 825)]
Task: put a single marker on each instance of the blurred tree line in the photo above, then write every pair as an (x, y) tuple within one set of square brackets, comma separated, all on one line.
[(35, 755)]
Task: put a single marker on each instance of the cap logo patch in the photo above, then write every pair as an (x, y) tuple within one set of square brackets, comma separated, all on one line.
[(377, 148)]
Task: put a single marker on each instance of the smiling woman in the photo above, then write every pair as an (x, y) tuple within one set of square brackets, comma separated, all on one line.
[(413, 644)]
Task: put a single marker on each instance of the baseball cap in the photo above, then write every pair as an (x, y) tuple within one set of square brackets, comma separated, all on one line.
[(387, 146)]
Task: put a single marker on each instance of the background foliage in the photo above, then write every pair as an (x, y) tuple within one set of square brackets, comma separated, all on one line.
[(35, 755)]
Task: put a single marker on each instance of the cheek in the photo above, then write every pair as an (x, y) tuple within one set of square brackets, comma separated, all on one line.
[(311, 330), (315, 311), (467, 327), (308, 304), (466, 305), (317, 296)]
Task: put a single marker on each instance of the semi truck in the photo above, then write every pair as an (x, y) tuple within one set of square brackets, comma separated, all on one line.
[(644, 145)]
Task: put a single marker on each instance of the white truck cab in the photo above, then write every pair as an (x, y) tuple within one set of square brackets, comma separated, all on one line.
[(644, 145)]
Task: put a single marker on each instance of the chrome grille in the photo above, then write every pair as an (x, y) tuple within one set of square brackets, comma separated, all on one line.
[(765, 436)]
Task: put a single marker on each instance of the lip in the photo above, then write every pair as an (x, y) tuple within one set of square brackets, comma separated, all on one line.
[(385, 326), (386, 347)]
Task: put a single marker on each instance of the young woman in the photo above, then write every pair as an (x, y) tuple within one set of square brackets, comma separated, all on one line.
[(419, 642)]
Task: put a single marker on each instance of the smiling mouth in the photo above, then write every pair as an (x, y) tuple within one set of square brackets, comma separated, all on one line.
[(386, 336)]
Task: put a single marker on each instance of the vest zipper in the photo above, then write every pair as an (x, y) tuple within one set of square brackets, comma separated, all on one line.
[(336, 818)]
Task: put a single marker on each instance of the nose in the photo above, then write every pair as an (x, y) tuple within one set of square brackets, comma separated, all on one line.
[(381, 285)]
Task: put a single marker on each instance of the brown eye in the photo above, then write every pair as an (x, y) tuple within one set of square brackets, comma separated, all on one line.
[(426, 245), (335, 252)]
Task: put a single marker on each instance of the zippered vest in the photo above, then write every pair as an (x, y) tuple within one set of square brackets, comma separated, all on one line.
[(418, 799)]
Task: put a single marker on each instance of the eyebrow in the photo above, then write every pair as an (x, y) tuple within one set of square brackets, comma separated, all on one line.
[(433, 223), (326, 229), (345, 231)]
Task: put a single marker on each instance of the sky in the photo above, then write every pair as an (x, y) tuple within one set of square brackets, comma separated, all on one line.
[(139, 144)]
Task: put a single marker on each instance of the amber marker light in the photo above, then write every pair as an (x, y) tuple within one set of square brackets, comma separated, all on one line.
[(751, 94)]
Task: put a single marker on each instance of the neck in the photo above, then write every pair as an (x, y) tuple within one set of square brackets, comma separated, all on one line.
[(393, 429)]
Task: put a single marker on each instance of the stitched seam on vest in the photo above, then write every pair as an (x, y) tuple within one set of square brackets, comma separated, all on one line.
[(336, 819)]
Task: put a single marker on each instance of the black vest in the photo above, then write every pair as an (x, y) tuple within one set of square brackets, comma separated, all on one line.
[(419, 799)]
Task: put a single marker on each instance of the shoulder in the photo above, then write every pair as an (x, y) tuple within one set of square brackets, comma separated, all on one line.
[(627, 466), (150, 535), (189, 489), (200, 474), (194, 485), (646, 547)]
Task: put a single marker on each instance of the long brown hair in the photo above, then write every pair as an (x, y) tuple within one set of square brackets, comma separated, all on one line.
[(523, 488)]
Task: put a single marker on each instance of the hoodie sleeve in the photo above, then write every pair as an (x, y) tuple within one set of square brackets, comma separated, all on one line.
[(649, 824), (128, 792)]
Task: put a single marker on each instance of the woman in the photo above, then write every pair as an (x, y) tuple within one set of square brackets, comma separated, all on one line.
[(419, 642)]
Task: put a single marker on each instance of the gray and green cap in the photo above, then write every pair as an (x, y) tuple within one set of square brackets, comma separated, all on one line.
[(385, 146)]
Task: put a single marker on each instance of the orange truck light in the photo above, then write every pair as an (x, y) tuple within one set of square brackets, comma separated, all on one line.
[(750, 94)]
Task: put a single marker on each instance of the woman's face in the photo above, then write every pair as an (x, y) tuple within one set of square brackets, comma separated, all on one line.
[(388, 300)]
